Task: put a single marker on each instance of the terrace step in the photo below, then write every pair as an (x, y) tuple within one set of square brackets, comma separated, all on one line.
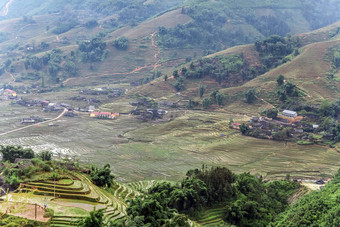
[(64, 221), (82, 191), (212, 217), (96, 199)]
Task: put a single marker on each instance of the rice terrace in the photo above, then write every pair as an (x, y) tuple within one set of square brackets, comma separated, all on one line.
[(169, 113)]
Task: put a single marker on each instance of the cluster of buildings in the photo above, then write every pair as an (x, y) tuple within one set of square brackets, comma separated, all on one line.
[(266, 128), (104, 115)]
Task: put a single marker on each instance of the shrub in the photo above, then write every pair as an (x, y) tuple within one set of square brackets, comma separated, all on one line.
[(91, 24), (250, 96), (48, 213), (121, 43)]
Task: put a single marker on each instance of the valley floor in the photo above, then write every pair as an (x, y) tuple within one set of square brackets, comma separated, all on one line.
[(153, 150)]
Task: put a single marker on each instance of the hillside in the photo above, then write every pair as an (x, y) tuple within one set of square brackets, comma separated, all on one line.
[(154, 43), (207, 113), (318, 208), (309, 70)]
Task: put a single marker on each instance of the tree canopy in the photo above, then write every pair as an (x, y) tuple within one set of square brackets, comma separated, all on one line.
[(102, 176), (10, 153)]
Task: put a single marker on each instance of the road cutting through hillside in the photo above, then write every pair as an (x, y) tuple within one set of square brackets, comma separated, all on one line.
[(40, 123)]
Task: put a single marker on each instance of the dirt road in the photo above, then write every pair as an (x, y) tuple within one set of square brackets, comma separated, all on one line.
[(40, 123)]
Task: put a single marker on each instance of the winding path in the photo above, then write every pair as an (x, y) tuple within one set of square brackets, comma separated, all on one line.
[(13, 79), (6, 8), (29, 126)]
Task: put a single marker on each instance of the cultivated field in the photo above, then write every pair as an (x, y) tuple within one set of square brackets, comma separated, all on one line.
[(141, 151)]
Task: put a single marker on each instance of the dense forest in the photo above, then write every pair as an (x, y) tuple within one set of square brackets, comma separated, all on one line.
[(220, 24), (248, 200), (128, 11)]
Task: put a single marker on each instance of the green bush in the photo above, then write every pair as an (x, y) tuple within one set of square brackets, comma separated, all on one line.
[(48, 213), (122, 43)]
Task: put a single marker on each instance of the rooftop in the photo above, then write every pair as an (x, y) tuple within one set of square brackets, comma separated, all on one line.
[(289, 112)]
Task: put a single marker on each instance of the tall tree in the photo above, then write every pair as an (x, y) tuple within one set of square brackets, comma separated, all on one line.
[(250, 96), (201, 90)]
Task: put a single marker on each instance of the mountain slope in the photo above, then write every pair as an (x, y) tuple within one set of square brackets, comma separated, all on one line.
[(310, 71)]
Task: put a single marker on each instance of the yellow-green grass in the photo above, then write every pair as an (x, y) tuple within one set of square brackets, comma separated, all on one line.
[(212, 217)]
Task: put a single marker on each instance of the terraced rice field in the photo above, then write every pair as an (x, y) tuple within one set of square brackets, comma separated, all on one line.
[(212, 217), (166, 151), (74, 198)]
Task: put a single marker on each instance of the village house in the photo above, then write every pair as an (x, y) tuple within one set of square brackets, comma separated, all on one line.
[(92, 108), (31, 120), (289, 113), (10, 93), (27, 121), (104, 115), (66, 105), (162, 112), (53, 107), (70, 114)]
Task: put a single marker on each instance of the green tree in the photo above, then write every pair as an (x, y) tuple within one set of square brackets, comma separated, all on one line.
[(93, 50), (271, 113), (206, 102), (326, 109), (13, 180), (71, 68), (102, 176), (282, 95), (282, 135), (214, 94), (95, 219), (179, 220), (319, 208), (178, 85), (244, 129), (280, 80), (201, 90), (289, 88), (122, 43), (10, 153), (220, 99), (250, 96), (175, 74), (91, 24), (184, 71), (45, 156), (150, 210)]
